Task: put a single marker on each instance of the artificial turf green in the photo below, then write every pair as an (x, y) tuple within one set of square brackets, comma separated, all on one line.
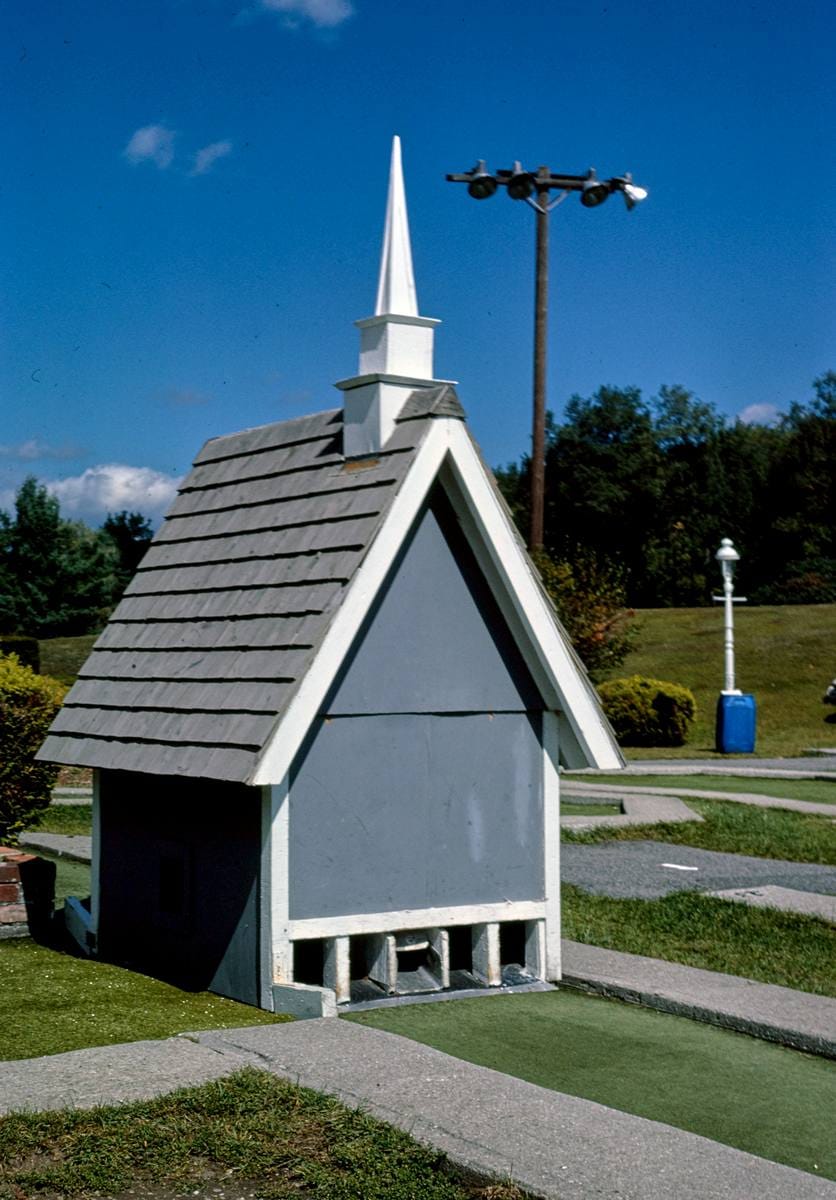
[(704, 931), (733, 829), (747, 1093), (249, 1134), (51, 1001), (820, 791)]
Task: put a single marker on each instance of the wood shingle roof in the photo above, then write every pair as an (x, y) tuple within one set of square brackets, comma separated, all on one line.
[(234, 596)]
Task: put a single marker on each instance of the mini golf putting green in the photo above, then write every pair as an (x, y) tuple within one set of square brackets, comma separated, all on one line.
[(747, 1093)]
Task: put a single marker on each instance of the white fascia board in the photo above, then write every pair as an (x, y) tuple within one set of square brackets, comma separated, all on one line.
[(276, 758), (576, 698)]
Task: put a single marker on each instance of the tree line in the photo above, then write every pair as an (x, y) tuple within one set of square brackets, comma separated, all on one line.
[(638, 496), (60, 577), (648, 489)]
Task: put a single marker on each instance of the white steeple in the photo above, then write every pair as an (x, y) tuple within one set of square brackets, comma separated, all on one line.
[(396, 286), (396, 345)]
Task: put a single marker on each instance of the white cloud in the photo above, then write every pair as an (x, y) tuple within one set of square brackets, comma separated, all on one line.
[(324, 14), (151, 143), (111, 487), (33, 449), (205, 158), (759, 414), (184, 397)]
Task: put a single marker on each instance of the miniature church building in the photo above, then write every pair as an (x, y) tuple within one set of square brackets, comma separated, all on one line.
[(326, 719)]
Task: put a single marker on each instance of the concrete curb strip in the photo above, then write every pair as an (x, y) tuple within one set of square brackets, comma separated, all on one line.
[(624, 793), (777, 1014), (73, 847), (638, 810), (554, 1145)]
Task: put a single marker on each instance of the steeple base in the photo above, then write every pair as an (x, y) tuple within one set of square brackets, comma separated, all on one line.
[(371, 408)]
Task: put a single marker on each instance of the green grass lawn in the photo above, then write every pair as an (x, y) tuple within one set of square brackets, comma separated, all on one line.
[(71, 819), (703, 931), (744, 1092), (734, 829), (784, 655), (249, 1134), (819, 791), (63, 657), (51, 1001)]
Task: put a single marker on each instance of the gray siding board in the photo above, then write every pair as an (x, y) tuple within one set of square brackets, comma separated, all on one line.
[(435, 640), (313, 568), (266, 698), (415, 811), (246, 731), (254, 633), (205, 762), (271, 665), (263, 543), (298, 600), (204, 932)]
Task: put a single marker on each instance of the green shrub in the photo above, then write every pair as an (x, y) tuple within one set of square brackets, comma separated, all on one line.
[(648, 712), (26, 648), (28, 704)]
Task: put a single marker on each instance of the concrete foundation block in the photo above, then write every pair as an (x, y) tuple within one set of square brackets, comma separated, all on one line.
[(304, 1000)]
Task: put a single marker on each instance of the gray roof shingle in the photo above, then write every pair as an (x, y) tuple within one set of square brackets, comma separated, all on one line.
[(217, 628)]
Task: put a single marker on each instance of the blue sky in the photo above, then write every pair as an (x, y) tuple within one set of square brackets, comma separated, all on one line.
[(194, 194)]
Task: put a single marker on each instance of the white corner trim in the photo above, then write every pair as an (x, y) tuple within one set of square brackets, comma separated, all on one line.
[(574, 694), (277, 756), (551, 843), (276, 815)]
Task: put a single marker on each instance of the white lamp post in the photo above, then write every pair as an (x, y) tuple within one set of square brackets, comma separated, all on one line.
[(727, 556), (736, 712)]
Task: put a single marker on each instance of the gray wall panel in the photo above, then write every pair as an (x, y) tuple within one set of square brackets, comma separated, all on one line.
[(414, 811), (179, 881), (435, 641)]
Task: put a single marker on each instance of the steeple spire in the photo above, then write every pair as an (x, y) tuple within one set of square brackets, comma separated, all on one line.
[(396, 285), (396, 345)]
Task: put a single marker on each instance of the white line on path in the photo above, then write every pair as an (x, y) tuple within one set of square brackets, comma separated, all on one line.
[(678, 867)]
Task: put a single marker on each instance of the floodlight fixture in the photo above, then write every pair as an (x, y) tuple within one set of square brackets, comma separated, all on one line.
[(594, 191), (535, 188), (482, 184), (521, 183)]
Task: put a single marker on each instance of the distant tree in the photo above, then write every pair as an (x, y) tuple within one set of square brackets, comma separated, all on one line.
[(56, 576), (651, 488), (131, 533), (590, 601), (603, 479)]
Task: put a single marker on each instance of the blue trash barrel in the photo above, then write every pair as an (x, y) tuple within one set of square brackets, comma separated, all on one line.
[(736, 717)]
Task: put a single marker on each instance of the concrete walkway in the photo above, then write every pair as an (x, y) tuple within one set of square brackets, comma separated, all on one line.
[(812, 766), (554, 1145)]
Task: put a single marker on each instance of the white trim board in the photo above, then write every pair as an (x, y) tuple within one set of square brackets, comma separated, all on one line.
[(416, 918), (448, 454)]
